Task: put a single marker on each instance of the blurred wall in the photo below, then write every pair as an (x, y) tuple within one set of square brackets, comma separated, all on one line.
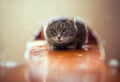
[(20, 18)]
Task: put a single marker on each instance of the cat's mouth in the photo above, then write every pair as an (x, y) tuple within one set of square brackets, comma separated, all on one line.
[(59, 41)]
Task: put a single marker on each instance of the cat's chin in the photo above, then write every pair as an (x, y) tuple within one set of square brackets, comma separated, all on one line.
[(59, 42)]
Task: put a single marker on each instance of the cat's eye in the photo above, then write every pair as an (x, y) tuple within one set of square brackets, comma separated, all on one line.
[(64, 32), (54, 33)]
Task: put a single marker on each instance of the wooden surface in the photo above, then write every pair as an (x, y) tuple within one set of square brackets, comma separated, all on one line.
[(44, 65), (62, 66), (82, 65)]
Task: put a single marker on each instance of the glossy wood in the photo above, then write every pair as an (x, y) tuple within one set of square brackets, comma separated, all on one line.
[(45, 65), (82, 65), (62, 66)]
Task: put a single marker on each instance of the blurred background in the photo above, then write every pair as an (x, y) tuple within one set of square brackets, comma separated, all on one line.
[(19, 19)]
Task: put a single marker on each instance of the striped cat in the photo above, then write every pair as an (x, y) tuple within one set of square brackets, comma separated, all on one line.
[(66, 33)]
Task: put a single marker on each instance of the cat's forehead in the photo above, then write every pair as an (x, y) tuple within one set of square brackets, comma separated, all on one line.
[(61, 23)]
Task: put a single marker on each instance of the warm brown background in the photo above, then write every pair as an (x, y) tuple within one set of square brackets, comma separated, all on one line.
[(19, 19)]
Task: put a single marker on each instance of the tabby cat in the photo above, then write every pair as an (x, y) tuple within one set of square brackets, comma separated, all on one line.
[(66, 33)]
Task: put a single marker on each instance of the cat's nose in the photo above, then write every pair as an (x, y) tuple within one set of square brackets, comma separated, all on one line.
[(58, 37)]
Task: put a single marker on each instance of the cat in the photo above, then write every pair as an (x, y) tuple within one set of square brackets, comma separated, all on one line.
[(66, 33)]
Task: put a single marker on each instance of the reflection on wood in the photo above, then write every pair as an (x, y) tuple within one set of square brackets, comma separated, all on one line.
[(66, 66), (44, 65), (81, 65)]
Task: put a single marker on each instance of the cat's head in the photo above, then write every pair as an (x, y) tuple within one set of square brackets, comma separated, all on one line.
[(61, 31)]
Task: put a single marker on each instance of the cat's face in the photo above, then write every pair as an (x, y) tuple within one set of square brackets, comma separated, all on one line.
[(61, 32)]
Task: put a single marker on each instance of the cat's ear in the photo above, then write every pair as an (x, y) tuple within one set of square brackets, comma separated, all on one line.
[(70, 21)]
